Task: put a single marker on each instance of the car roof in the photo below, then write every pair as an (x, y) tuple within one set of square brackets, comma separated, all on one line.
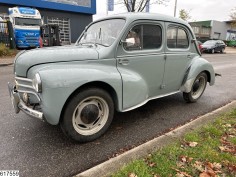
[(132, 16)]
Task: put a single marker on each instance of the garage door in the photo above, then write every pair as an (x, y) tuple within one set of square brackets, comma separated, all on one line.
[(64, 26)]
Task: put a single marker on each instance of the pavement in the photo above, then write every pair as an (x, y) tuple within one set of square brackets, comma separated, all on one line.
[(113, 165), (6, 61)]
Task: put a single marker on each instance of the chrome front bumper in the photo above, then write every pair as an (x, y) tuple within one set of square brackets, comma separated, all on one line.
[(18, 104)]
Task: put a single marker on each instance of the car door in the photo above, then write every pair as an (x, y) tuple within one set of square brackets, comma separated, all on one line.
[(178, 56), (140, 61)]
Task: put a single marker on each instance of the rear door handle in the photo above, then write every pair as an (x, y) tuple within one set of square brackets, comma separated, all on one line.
[(123, 61)]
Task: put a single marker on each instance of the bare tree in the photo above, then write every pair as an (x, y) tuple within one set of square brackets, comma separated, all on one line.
[(233, 20), (233, 17), (139, 5), (184, 14)]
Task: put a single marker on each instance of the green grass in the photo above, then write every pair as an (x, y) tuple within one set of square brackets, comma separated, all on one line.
[(181, 158)]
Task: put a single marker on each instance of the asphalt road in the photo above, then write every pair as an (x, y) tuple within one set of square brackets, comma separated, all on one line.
[(39, 149)]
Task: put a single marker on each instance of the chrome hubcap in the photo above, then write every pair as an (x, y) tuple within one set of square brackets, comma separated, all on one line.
[(90, 115), (198, 87)]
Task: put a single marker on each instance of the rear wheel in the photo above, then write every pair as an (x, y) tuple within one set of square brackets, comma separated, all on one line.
[(198, 88), (212, 50), (88, 115), (222, 50)]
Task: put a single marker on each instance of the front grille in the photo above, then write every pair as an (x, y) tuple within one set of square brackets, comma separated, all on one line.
[(24, 85), (32, 40)]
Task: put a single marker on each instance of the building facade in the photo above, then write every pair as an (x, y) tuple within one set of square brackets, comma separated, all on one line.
[(71, 15), (211, 29)]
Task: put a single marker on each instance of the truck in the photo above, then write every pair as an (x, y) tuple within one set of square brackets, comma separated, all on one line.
[(26, 25)]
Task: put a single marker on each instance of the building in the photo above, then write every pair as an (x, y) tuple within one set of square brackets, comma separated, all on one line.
[(211, 29), (71, 15)]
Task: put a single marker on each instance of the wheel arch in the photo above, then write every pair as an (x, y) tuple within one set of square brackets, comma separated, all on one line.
[(95, 84)]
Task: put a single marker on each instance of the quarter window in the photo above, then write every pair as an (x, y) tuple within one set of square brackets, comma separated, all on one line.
[(177, 38), (143, 37)]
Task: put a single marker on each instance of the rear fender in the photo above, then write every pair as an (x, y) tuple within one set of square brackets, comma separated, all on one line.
[(197, 66)]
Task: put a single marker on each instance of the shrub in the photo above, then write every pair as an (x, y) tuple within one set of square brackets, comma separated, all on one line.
[(5, 51)]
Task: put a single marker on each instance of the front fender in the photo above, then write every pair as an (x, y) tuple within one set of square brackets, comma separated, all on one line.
[(60, 81), (197, 66)]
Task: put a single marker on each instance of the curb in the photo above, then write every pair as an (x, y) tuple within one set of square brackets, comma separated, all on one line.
[(6, 64), (112, 165)]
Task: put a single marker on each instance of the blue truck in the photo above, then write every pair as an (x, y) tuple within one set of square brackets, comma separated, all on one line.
[(26, 25)]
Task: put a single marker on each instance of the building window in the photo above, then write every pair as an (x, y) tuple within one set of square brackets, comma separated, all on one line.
[(64, 26), (196, 29), (205, 30)]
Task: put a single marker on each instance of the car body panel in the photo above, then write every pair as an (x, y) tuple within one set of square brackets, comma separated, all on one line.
[(60, 83), (51, 55)]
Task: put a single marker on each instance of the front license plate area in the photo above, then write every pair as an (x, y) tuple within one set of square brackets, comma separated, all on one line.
[(14, 98)]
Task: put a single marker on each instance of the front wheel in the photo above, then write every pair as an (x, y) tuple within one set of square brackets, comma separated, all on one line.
[(197, 90), (88, 115), (212, 51)]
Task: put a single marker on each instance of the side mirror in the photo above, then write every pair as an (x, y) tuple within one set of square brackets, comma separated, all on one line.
[(129, 42), (193, 40)]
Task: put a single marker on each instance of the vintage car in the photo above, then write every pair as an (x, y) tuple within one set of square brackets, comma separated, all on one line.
[(119, 63)]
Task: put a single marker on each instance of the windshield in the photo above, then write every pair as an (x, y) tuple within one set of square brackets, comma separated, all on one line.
[(27, 22), (209, 42), (103, 32)]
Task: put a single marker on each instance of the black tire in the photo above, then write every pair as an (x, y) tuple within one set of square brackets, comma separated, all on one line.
[(212, 51), (88, 115), (222, 50), (197, 89)]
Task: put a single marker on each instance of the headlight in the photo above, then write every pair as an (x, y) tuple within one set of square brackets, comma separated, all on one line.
[(37, 83)]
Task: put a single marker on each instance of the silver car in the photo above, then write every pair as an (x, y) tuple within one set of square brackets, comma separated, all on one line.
[(118, 63)]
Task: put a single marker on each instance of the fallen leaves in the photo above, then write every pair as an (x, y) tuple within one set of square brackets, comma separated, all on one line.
[(189, 144), (132, 175), (226, 145), (192, 144)]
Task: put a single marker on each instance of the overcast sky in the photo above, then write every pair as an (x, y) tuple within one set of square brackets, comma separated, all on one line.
[(198, 9)]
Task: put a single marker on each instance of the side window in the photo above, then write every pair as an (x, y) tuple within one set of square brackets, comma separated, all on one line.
[(177, 38), (171, 37), (133, 39), (182, 39), (143, 37), (151, 37)]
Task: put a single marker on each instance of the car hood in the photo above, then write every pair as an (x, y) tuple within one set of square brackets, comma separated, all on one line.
[(26, 59)]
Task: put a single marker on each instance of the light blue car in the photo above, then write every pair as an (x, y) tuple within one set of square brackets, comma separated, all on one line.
[(118, 63)]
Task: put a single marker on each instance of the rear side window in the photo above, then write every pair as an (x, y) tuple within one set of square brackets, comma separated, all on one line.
[(177, 38)]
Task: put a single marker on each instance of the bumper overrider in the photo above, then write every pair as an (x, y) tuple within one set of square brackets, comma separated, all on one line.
[(21, 105)]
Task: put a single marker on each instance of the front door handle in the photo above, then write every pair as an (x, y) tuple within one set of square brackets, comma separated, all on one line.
[(123, 61), (189, 56)]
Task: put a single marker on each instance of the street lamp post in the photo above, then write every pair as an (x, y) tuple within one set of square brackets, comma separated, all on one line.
[(175, 8)]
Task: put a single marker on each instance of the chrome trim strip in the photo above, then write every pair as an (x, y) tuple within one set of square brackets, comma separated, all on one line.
[(30, 92), (26, 86), (23, 79), (30, 111), (144, 102)]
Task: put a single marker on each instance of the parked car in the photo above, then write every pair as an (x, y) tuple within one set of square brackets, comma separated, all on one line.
[(212, 46), (108, 69)]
